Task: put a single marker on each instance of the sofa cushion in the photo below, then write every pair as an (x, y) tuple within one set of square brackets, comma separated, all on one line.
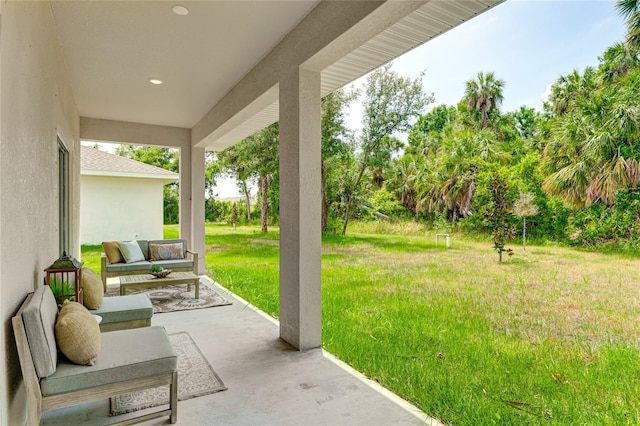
[(124, 308), (125, 355), (92, 290), (112, 250), (144, 246), (142, 267), (77, 334), (131, 251), (39, 317), (173, 241), (166, 251), (174, 264)]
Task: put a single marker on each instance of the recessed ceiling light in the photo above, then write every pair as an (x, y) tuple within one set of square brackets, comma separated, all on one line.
[(180, 10), (155, 81)]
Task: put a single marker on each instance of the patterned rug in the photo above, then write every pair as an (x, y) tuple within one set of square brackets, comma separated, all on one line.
[(195, 378), (176, 298)]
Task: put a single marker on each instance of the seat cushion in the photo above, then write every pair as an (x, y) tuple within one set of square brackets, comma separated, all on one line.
[(39, 317), (77, 334), (124, 308), (125, 355), (143, 267), (173, 264), (92, 290)]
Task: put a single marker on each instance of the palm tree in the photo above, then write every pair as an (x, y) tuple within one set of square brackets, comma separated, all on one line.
[(630, 11), (569, 87), (484, 93), (593, 150)]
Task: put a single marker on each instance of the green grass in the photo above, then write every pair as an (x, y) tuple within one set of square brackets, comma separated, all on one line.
[(91, 257), (551, 336)]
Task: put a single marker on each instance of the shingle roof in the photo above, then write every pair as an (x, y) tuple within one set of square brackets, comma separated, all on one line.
[(95, 162)]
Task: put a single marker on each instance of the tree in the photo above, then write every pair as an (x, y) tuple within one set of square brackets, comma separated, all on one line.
[(337, 149), (165, 158), (592, 151), (262, 150), (391, 101), (497, 215), (234, 162), (484, 94), (630, 11), (524, 207), (234, 216)]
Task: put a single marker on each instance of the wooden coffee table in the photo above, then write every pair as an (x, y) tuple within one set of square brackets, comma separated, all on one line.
[(149, 281)]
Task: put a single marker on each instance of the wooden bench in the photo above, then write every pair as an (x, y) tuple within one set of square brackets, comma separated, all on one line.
[(53, 382), (188, 264)]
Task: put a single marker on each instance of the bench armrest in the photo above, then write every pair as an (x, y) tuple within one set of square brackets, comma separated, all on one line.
[(103, 271), (194, 256)]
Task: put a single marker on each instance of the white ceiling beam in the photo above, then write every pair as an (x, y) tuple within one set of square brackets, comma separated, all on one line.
[(328, 32)]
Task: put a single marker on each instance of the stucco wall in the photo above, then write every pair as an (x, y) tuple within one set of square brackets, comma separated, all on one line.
[(118, 208), (37, 106)]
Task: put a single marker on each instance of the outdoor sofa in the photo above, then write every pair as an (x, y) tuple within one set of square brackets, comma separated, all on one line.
[(156, 252), (124, 361)]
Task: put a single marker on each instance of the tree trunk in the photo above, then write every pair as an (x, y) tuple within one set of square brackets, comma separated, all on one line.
[(484, 117), (325, 207), (247, 197), (524, 233), (264, 187), (350, 200)]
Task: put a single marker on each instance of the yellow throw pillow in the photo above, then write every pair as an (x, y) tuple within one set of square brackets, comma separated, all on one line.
[(77, 334), (92, 290), (112, 250)]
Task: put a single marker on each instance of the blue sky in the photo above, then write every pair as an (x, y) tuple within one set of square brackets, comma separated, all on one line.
[(527, 43)]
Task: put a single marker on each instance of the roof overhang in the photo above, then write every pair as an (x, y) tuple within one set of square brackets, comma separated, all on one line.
[(222, 62)]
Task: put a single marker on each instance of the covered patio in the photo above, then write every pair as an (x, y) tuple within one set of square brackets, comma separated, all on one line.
[(269, 382), (196, 78)]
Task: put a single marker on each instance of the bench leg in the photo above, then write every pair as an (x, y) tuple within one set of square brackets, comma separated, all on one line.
[(173, 398)]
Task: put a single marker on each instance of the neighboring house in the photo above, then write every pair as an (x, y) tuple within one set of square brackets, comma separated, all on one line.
[(120, 198)]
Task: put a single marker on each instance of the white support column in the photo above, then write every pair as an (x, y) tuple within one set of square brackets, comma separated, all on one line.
[(300, 229), (197, 206), (185, 193)]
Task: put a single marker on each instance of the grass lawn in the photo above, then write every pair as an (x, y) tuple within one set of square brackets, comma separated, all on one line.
[(551, 336)]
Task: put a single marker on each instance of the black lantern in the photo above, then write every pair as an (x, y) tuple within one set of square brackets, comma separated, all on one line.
[(64, 277)]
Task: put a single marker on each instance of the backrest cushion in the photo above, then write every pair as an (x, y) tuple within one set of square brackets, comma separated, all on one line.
[(166, 251), (78, 334), (131, 251), (92, 290), (181, 241), (144, 246), (39, 317), (112, 250)]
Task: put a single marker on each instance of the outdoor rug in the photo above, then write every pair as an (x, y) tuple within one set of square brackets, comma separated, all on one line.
[(176, 298), (195, 378)]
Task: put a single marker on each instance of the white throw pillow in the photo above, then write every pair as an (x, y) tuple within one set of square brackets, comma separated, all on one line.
[(131, 251)]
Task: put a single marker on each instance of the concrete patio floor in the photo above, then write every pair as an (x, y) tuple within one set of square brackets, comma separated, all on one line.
[(269, 383)]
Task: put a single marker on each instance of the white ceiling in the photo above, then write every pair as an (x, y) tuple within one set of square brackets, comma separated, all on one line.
[(113, 48)]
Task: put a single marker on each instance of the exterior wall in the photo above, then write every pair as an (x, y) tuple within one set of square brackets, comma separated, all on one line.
[(119, 208), (37, 105)]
